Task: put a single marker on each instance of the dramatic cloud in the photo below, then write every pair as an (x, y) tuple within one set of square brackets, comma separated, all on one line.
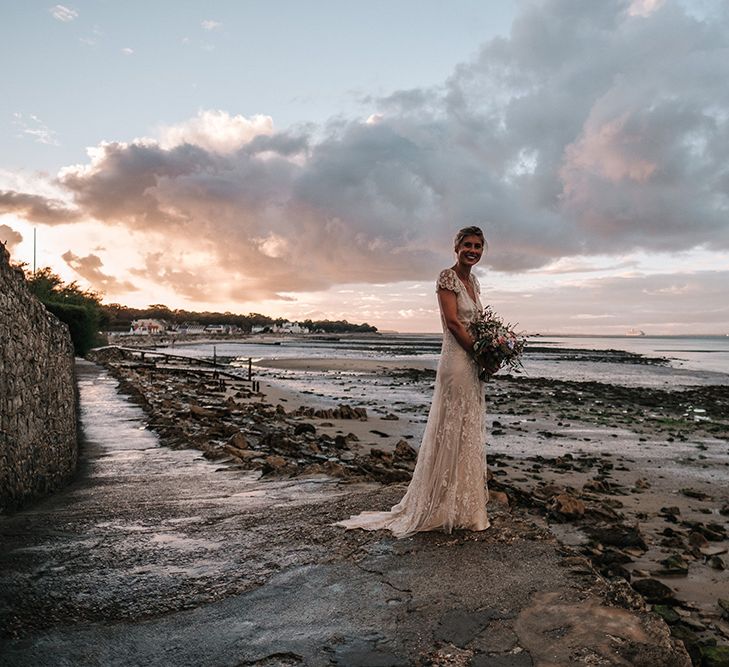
[(36, 208), (594, 128), (89, 268), (63, 13), (9, 237)]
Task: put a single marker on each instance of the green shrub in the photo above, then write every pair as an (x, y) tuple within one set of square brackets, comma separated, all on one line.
[(80, 309), (82, 321)]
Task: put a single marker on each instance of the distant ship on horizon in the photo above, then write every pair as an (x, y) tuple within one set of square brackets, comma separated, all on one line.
[(635, 332)]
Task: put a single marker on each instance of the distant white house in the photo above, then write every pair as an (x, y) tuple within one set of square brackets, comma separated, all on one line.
[(293, 327), (222, 328), (148, 326), (284, 328), (190, 328)]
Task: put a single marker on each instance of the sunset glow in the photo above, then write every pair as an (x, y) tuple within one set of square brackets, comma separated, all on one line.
[(588, 140)]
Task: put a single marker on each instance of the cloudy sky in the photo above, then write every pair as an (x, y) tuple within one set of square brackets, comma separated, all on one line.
[(315, 159)]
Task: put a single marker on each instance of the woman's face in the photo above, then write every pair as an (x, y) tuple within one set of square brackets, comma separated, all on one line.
[(469, 250)]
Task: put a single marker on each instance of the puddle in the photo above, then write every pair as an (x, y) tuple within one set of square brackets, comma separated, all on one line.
[(567, 534)]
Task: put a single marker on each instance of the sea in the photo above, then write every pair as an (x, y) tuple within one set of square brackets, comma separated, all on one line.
[(672, 362)]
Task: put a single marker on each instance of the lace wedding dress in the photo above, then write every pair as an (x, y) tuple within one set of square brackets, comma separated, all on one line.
[(448, 488)]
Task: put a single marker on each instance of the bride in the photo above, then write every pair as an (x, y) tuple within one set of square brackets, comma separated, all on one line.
[(448, 488)]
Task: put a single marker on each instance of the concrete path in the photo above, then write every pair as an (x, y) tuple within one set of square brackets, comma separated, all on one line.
[(159, 557)]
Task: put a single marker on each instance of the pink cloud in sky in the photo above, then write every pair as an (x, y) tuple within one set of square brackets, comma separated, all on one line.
[(644, 7), (609, 151), (36, 208), (89, 268)]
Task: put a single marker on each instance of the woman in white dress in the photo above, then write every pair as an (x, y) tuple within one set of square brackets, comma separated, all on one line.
[(448, 488)]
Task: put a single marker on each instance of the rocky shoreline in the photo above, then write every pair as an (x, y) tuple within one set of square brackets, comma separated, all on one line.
[(230, 423), (600, 356), (640, 534)]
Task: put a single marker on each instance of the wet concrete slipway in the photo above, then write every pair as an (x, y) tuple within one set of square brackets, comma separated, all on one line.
[(158, 557)]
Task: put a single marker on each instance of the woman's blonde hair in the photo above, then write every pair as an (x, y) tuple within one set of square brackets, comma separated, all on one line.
[(470, 231)]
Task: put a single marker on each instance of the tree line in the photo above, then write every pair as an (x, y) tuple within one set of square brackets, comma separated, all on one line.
[(119, 318), (86, 316)]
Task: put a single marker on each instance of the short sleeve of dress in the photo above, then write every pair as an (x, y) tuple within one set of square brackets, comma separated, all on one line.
[(448, 280)]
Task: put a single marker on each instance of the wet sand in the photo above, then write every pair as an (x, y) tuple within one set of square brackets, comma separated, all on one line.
[(630, 477)]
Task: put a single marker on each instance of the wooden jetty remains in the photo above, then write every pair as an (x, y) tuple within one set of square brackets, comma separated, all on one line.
[(192, 364)]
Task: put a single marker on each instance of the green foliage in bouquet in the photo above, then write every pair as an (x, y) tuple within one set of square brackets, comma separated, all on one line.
[(497, 344)]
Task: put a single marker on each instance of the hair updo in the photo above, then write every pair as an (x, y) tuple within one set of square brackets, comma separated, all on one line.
[(469, 231)]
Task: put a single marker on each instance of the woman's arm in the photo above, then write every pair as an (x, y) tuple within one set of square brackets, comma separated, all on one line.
[(448, 302)]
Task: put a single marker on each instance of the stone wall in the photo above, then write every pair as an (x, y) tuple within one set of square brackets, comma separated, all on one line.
[(38, 429)]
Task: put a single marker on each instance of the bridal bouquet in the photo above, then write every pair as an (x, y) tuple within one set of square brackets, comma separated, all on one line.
[(497, 343)]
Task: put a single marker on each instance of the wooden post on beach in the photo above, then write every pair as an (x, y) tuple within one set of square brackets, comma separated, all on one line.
[(250, 368)]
